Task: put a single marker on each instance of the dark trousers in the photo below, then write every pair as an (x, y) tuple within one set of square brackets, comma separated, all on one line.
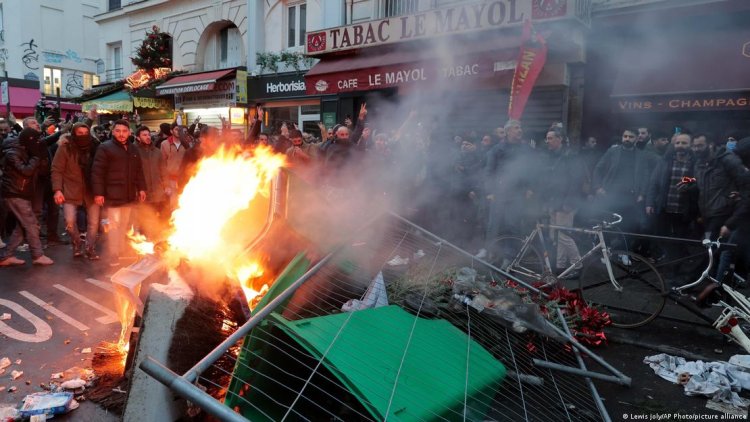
[(672, 225)]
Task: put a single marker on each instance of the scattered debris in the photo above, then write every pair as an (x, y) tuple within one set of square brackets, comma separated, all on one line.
[(726, 409), (86, 350), (4, 317), (398, 261), (18, 361), (119, 390), (12, 389), (67, 341), (16, 374), (56, 376), (38, 418), (720, 381), (46, 404), (74, 384), (8, 413), (28, 382), (4, 363), (2, 388)]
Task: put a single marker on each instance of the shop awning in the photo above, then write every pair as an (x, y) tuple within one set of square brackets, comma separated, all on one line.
[(23, 100), (685, 62), (116, 102), (405, 69), (195, 82)]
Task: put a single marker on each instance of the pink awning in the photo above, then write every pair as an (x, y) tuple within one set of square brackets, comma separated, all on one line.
[(23, 100)]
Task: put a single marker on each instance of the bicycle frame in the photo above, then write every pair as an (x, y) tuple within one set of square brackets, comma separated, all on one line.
[(539, 232), (727, 322)]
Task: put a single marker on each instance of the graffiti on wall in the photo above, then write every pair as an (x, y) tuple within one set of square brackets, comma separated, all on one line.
[(74, 83), (30, 56)]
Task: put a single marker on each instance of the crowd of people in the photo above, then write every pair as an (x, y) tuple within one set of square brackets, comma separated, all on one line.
[(469, 188)]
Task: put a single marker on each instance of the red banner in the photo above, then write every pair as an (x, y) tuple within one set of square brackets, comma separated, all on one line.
[(531, 60)]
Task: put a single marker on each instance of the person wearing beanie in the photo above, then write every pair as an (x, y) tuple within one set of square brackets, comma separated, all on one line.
[(22, 160)]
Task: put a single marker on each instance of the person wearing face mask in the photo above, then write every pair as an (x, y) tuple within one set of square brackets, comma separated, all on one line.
[(672, 206), (71, 184)]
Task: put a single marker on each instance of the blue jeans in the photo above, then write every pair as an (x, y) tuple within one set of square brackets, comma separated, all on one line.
[(27, 226), (71, 225), (119, 223)]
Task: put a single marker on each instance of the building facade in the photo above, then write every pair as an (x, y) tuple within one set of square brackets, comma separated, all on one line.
[(48, 49)]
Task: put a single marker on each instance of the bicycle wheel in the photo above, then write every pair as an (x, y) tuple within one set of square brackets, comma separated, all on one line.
[(643, 293), (505, 253)]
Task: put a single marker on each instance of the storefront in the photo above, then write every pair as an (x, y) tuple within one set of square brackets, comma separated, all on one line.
[(690, 73), (212, 96), (285, 99), (457, 74), (121, 103), (23, 96)]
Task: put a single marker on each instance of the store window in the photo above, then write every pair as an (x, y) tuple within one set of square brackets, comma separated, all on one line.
[(296, 25), (90, 80), (52, 80)]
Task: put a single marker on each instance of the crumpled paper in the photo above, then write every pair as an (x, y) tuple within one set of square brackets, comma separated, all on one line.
[(720, 381)]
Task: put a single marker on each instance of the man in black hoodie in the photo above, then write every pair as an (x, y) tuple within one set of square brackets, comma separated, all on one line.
[(737, 228), (22, 160)]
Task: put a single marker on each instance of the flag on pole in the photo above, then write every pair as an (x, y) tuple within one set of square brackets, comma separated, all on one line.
[(531, 60)]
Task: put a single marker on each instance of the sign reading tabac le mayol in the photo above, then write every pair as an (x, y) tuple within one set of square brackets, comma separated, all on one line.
[(459, 18)]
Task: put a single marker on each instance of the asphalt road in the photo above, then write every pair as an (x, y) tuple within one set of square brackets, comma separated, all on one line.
[(59, 310), (56, 312)]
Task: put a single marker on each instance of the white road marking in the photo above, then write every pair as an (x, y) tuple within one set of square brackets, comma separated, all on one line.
[(110, 316), (43, 330), (103, 284), (54, 311)]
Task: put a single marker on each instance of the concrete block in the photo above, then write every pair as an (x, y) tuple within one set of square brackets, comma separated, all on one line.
[(149, 400)]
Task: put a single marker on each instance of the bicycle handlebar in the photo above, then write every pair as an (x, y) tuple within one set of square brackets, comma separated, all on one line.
[(607, 224)]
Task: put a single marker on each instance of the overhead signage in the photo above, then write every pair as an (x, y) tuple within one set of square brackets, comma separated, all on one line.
[(277, 86), (224, 94), (456, 19), (674, 103), (428, 72), (206, 86)]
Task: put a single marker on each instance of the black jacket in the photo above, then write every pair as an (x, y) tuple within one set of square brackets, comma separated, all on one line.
[(117, 173), (716, 178), (741, 214), (607, 168), (19, 170), (658, 187)]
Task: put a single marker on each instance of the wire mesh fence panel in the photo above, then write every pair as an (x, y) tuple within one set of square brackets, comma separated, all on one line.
[(400, 325)]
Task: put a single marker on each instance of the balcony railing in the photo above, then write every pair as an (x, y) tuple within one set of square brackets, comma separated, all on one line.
[(405, 7), (113, 75)]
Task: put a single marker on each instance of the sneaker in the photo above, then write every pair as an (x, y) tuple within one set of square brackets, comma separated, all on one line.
[(91, 255), (23, 248), (11, 260), (481, 254), (43, 260), (625, 259)]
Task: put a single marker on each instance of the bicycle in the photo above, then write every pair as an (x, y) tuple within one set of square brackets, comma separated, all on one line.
[(625, 283), (735, 306)]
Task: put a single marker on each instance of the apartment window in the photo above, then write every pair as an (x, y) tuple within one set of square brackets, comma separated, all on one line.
[(52, 80), (224, 44), (89, 80), (296, 25), (114, 4)]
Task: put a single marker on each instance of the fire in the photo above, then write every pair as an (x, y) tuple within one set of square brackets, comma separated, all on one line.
[(139, 243), (223, 185), (246, 275)]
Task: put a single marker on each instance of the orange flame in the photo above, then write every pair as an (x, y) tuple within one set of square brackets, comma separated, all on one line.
[(139, 243)]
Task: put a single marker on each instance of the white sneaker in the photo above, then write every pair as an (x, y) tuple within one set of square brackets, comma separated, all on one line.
[(481, 254), (11, 260), (625, 259), (23, 248), (43, 260)]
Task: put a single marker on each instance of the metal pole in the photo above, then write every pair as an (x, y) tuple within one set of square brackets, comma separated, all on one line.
[(622, 378), (188, 391), (192, 374), (7, 105), (59, 111), (594, 392), (578, 371), (463, 252)]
